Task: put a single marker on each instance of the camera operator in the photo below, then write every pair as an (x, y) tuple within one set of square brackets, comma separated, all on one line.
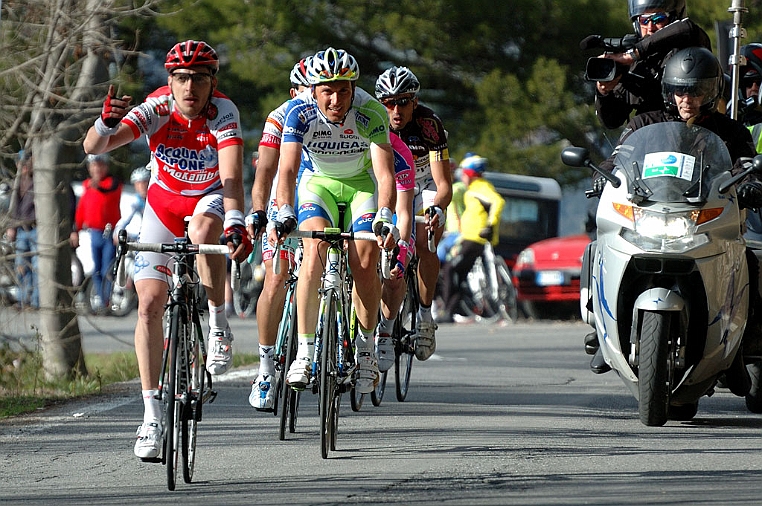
[(750, 112), (661, 28)]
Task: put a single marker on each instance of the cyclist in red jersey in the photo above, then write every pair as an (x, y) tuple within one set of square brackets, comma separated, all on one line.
[(194, 133)]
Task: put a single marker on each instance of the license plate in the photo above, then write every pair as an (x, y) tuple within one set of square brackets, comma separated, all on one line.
[(550, 278)]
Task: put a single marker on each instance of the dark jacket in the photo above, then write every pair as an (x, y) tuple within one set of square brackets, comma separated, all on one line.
[(640, 89)]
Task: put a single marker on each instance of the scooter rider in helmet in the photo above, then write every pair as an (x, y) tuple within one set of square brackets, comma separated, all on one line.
[(691, 89), (662, 28)]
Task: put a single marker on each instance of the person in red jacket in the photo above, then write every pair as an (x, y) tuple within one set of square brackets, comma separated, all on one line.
[(97, 213)]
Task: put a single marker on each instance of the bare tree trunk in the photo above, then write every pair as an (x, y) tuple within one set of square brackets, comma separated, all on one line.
[(61, 339), (56, 146)]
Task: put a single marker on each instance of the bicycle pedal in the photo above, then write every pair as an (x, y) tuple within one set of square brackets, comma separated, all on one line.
[(152, 460), (212, 396)]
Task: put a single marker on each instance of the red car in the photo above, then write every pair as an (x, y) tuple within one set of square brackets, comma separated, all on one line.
[(546, 276)]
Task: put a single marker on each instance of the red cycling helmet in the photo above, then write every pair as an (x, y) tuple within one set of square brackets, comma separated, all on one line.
[(192, 53)]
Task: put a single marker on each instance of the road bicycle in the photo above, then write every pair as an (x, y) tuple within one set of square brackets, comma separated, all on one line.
[(184, 384), (487, 293), (403, 338), (286, 402), (333, 364), (403, 333)]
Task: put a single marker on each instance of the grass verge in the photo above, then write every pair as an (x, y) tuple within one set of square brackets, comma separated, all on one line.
[(23, 388)]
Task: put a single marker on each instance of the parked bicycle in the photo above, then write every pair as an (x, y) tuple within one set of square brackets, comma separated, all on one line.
[(487, 293), (184, 384)]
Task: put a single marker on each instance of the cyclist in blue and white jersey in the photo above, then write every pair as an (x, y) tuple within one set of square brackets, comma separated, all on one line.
[(422, 130), (340, 134)]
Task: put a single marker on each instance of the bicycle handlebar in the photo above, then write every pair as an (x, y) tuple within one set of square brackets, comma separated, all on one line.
[(330, 235), (174, 248)]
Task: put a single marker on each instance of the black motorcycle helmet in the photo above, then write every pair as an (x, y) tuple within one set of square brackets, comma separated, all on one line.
[(695, 71), (752, 71), (675, 8)]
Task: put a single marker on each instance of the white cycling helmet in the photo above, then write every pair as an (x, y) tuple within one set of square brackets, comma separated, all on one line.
[(299, 73), (332, 65), (140, 174), (396, 81)]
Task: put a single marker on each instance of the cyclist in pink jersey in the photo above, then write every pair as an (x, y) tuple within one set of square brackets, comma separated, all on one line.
[(392, 290), (194, 133)]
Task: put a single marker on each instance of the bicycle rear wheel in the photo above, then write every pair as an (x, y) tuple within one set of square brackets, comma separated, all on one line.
[(287, 397), (172, 400), (328, 375)]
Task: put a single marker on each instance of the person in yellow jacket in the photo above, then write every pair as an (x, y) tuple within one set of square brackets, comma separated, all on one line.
[(478, 224)]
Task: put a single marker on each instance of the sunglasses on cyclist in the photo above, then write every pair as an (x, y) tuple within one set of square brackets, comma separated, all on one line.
[(390, 103), (197, 78), (657, 18)]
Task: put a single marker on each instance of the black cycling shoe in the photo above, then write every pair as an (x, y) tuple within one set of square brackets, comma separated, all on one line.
[(591, 343), (598, 365)]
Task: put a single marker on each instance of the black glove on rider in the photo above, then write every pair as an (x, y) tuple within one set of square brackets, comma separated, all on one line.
[(598, 184), (486, 233), (258, 220), (750, 195)]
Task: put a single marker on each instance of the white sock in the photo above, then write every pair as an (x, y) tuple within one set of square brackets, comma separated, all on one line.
[(386, 326), (306, 346), (424, 314), (151, 406), (364, 340), (266, 364), (217, 317)]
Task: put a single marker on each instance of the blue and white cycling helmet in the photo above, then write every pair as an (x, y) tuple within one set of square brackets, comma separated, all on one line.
[(396, 81), (140, 174), (332, 65), (474, 163)]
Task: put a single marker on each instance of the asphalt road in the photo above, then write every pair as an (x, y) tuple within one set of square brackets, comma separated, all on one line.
[(499, 415)]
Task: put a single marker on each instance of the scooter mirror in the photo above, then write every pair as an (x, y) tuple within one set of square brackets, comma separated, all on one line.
[(575, 156), (757, 165)]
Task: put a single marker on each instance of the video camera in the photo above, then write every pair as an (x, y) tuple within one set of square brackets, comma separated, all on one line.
[(603, 69)]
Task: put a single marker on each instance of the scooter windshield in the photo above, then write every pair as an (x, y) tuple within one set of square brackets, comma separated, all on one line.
[(672, 162)]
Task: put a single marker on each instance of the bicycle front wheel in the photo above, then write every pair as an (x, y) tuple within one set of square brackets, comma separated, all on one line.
[(328, 375), (403, 336), (172, 398), (195, 372), (287, 396)]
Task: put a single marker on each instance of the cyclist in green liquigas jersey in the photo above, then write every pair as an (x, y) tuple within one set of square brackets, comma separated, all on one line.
[(339, 135)]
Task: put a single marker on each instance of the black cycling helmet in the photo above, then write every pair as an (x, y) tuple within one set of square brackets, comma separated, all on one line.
[(753, 68), (694, 71), (675, 8)]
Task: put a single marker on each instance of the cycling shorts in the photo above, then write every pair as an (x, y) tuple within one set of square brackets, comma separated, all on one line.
[(163, 220), (319, 196), (425, 192)]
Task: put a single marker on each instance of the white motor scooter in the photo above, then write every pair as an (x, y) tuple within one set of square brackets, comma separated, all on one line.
[(669, 282)]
